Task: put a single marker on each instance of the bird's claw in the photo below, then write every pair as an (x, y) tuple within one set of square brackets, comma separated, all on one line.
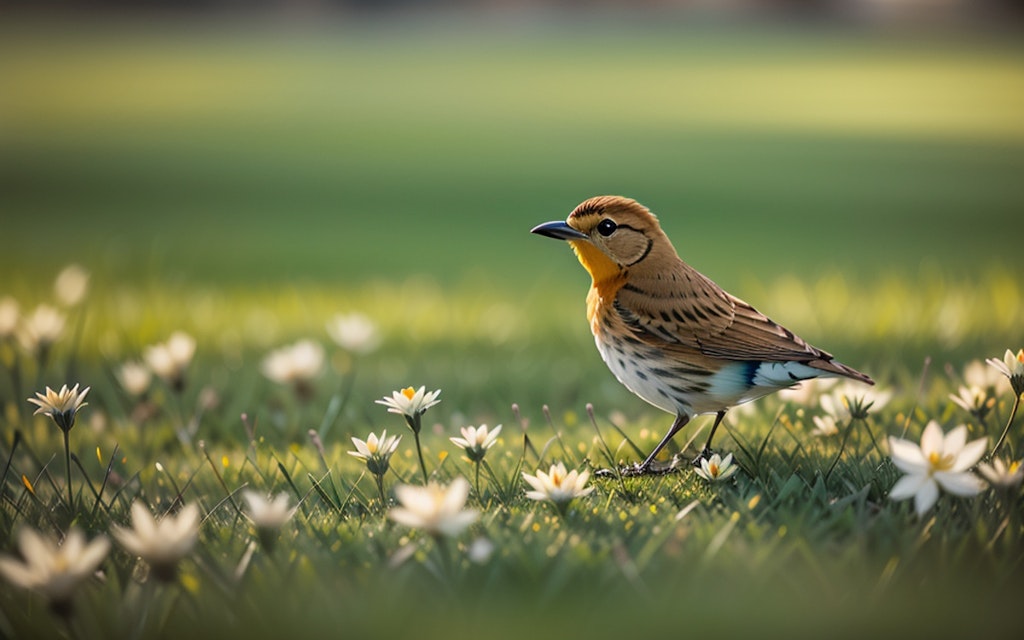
[(705, 454), (637, 470)]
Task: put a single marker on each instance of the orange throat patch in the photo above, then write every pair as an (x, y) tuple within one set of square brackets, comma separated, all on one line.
[(607, 278)]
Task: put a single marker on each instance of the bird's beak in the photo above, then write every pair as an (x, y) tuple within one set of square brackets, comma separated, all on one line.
[(560, 230)]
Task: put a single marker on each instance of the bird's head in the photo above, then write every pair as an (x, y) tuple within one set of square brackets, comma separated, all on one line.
[(610, 234)]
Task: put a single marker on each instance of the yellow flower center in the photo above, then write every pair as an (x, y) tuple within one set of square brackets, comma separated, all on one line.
[(408, 392), (713, 470), (61, 563), (940, 462), (1013, 467)]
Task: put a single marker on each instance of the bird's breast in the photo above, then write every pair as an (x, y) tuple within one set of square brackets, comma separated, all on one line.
[(600, 303)]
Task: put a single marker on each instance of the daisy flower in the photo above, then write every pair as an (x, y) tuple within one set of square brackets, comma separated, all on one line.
[(475, 441), (716, 468), (941, 461), (436, 509), (51, 569), (160, 543), (558, 485), (61, 406)]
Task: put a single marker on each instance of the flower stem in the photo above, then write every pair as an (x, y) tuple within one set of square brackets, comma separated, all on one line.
[(419, 453), (842, 448), (380, 490), (479, 496), (1006, 429), (67, 468)]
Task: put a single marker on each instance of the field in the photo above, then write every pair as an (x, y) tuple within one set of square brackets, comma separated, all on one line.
[(247, 184)]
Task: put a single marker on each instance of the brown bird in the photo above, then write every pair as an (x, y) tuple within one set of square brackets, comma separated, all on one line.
[(670, 334)]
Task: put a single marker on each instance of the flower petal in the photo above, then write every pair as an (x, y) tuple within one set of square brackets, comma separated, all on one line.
[(18, 573), (926, 497), (955, 440), (93, 554), (906, 455), (143, 521), (35, 549), (932, 439), (455, 496), (406, 517), (960, 484), (907, 486), (414, 499), (534, 481), (970, 454), (456, 523)]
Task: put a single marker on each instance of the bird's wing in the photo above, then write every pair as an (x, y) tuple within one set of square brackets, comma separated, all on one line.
[(686, 308)]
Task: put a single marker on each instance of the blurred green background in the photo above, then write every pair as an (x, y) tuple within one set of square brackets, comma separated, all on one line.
[(252, 153)]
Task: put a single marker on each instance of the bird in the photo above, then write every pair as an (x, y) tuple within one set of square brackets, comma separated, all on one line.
[(671, 335)]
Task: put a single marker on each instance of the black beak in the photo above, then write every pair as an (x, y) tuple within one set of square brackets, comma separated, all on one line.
[(559, 230)]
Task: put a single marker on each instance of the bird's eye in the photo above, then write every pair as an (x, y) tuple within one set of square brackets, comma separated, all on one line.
[(606, 227)]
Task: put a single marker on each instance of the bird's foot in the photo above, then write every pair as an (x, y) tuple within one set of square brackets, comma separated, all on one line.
[(636, 470), (705, 454)]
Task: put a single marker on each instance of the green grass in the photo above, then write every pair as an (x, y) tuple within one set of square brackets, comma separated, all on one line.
[(245, 187), (785, 545)]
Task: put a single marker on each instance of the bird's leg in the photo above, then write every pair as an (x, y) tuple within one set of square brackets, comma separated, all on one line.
[(706, 452), (645, 467)]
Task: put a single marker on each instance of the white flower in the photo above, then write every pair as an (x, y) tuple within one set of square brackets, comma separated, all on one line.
[(476, 441), (71, 285), (295, 364), (161, 543), (170, 359), (134, 377), (376, 452), (409, 402), (436, 509), (54, 570), (62, 406), (41, 328), (1011, 366), (973, 400), (1001, 475), (268, 514), (9, 314), (825, 426), (353, 332), (558, 485), (716, 468), (941, 461)]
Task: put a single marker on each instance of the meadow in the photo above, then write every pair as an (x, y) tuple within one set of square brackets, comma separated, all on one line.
[(245, 185)]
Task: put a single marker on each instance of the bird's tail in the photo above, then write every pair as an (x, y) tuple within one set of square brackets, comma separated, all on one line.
[(840, 369)]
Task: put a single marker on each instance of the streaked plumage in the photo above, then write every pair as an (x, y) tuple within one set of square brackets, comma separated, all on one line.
[(670, 334)]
